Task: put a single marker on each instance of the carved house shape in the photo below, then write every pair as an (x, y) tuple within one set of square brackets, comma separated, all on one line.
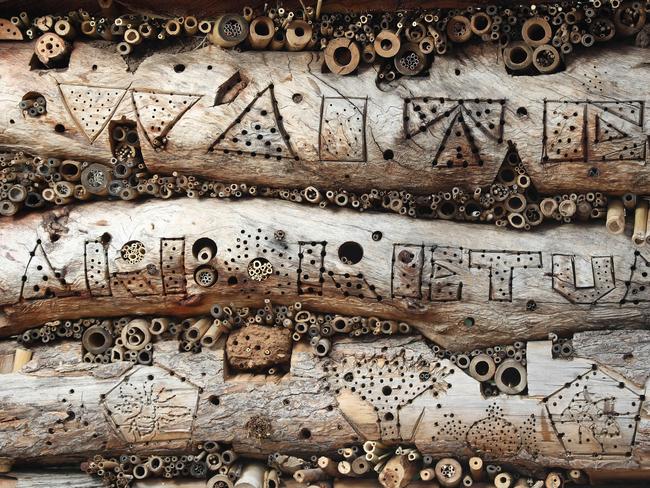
[(257, 131), (595, 414)]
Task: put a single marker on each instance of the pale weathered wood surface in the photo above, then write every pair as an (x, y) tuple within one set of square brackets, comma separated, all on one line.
[(340, 128), (309, 412), (437, 275)]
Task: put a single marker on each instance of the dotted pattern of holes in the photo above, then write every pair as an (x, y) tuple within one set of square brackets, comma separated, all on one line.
[(258, 347), (91, 107), (342, 133), (159, 112), (387, 384), (612, 131), (565, 279), (249, 246), (457, 126), (96, 267), (595, 415), (41, 280)]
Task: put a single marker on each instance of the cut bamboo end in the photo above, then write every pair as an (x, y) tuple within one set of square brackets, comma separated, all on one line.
[(615, 222), (21, 358), (6, 464), (640, 223)]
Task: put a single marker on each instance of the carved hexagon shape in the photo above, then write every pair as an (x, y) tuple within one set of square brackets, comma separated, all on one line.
[(151, 404)]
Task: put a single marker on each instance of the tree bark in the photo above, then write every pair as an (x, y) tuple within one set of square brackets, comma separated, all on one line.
[(303, 114), (186, 398), (462, 285)]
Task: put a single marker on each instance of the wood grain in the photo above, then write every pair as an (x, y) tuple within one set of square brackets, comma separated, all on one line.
[(347, 132), (474, 285)]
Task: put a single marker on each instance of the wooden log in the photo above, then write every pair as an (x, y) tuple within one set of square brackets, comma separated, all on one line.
[(186, 398), (302, 114), (462, 285)]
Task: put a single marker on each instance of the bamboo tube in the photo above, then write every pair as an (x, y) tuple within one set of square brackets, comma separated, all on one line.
[(503, 480), (449, 472), (64, 29), (213, 333), (467, 480), (132, 36), (615, 222), (272, 479), (261, 32), (476, 468), (252, 476), (360, 466), (219, 481), (328, 465), (554, 480), (191, 25), (158, 325), (21, 358), (640, 223), (310, 475), (567, 208), (198, 330), (629, 200), (298, 35), (344, 467), (548, 206), (428, 474)]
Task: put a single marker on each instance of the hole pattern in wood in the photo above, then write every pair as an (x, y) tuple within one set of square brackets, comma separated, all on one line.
[(343, 129), (434, 269), (595, 415), (257, 131), (462, 132), (152, 406), (158, 112), (311, 267), (40, 279), (91, 107), (96, 268), (387, 384), (593, 131), (501, 265), (638, 286), (567, 270)]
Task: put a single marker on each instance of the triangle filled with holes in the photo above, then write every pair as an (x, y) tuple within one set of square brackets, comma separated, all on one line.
[(158, 112), (607, 132), (41, 280), (627, 110), (91, 107), (486, 116), (440, 271), (457, 148), (257, 131), (427, 112)]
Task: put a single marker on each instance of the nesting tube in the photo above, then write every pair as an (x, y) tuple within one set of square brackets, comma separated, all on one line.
[(21, 358), (261, 32), (198, 329), (328, 465), (503, 480), (476, 468), (449, 472), (428, 474), (510, 377), (546, 58), (323, 347), (219, 481), (342, 56), (158, 325), (615, 221), (459, 29), (230, 30), (387, 44), (135, 335), (310, 475), (298, 35), (482, 367), (640, 223), (96, 339), (481, 23), (518, 56), (536, 31)]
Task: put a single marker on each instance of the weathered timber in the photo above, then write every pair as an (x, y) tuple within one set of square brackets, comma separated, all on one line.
[(462, 285), (584, 129), (576, 413)]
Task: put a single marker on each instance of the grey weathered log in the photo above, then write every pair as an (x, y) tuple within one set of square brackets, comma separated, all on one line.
[(186, 398), (462, 285), (344, 131)]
